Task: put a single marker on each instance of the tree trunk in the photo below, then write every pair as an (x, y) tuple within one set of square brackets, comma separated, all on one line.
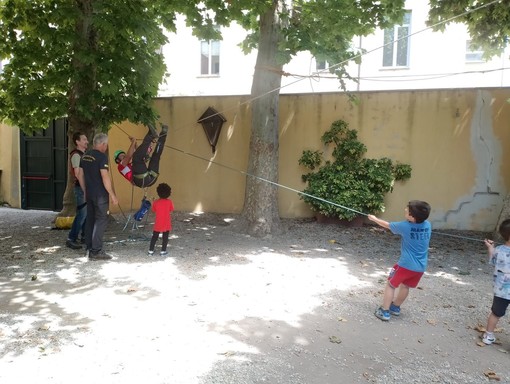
[(68, 203), (81, 91), (261, 198)]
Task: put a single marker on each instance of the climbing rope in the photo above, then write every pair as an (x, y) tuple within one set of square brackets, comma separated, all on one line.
[(278, 185)]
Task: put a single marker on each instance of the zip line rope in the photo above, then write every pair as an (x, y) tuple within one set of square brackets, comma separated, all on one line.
[(256, 177), (301, 193)]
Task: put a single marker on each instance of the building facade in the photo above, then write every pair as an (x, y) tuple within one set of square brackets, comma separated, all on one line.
[(408, 56)]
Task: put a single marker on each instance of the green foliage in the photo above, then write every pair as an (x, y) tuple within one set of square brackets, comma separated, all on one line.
[(489, 25), (402, 171), (349, 180), (311, 159), (325, 28), (97, 62)]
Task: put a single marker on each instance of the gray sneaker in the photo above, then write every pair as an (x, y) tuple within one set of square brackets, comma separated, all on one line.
[(99, 255), (488, 338), (152, 131)]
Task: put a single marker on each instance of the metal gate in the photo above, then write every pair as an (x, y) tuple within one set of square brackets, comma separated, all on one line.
[(44, 167)]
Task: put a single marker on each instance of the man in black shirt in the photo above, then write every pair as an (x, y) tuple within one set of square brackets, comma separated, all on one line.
[(94, 176)]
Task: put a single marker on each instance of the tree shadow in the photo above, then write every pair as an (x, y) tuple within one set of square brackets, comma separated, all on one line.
[(294, 309)]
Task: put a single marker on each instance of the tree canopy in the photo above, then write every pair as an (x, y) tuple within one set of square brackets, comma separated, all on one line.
[(488, 22), (96, 62)]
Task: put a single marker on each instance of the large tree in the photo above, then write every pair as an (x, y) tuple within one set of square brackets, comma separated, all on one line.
[(488, 23), (279, 29), (96, 62)]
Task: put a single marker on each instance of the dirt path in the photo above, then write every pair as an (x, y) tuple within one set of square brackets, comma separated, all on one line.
[(229, 308)]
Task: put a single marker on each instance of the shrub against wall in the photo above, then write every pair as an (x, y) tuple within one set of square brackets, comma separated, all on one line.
[(350, 181)]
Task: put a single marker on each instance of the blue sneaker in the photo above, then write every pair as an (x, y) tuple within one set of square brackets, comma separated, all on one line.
[(382, 314), (394, 309)]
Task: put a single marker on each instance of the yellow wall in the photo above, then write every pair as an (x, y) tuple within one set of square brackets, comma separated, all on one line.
[(457, 142), (10, 191), (188, 165)]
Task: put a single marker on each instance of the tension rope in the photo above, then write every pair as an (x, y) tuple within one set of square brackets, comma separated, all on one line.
[(301, 193)]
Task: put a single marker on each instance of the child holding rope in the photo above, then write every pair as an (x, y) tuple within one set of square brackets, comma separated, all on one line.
[(163, 207), (499, 257), (415, 232)]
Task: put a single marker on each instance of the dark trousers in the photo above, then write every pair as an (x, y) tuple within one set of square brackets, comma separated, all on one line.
[(97, 218), (81, 215), (140, 167), (155, 236)]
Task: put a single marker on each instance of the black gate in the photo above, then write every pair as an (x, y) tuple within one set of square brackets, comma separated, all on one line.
[(44, 167)]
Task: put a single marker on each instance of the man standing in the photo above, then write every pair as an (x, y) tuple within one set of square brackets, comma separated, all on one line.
[(94, 176), (81, 143)]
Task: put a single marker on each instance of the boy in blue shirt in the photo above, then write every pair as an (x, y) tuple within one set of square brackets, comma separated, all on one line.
[(415, 232)]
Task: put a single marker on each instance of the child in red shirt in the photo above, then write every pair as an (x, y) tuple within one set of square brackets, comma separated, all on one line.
[(163, 208)]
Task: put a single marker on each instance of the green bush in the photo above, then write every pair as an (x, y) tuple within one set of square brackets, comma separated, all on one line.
[(350, 180)]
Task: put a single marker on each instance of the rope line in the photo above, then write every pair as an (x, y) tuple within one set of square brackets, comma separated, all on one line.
[(401, 78), (265, 180), (301, 193), (457, 236)]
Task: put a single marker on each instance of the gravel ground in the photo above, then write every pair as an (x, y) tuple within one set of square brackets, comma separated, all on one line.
[(225, 307)]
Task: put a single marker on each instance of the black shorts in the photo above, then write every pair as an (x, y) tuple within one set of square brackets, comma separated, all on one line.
[(499, 306)]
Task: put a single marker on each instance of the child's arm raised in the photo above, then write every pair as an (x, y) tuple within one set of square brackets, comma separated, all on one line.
[(380, 222)]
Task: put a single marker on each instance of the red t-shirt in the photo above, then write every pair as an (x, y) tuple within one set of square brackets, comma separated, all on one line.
[(163, 209), (126, 171)]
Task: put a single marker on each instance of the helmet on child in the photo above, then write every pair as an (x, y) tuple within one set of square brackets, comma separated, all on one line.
[(117, 154)]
